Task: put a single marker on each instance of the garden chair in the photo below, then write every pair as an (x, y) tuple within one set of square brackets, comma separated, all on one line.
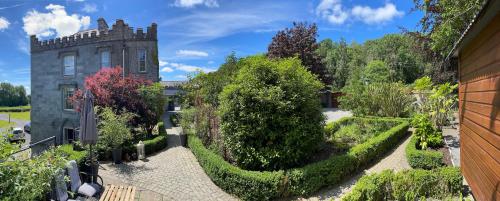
[(76, 185), (61, 189)]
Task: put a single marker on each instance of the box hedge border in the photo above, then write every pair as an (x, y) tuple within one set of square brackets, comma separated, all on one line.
[(441, 183), (424, 159), (265, 185), (153, 145)]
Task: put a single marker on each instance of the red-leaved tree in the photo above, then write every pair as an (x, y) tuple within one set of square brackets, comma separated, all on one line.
[(111, 89)]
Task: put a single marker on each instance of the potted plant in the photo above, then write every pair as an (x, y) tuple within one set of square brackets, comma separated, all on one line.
[(114, 131)]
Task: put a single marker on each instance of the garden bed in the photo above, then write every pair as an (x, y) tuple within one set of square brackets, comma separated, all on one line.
[(266, 185), (424, 159)]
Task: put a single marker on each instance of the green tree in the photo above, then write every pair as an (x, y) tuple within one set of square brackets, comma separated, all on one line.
[(152, 96), (336, 57), (376, 71), (271, 115)]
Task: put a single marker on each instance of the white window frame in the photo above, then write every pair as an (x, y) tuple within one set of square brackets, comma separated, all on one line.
[(65, 98), (139, 60), (101, 59), (66, 66)]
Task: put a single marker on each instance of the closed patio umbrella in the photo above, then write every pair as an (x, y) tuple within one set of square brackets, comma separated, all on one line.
[(88, 129)]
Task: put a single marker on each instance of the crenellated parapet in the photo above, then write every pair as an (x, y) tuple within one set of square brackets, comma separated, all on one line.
[(119, 31)]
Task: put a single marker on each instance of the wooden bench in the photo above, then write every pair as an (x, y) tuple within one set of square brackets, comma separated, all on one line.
[(118, 193)]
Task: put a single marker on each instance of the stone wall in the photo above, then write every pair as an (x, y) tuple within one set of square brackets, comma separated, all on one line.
[(48, 118)]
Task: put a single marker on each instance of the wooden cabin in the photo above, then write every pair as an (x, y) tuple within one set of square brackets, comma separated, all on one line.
[(478, 55)]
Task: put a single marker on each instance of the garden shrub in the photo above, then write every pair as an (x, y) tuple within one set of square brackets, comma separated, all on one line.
[(425, 132), (247, 185), (271, 114), (16, 109), (439, 183), (425, 159), (312, 177), (265, 185), (377, 99), (71, 154)]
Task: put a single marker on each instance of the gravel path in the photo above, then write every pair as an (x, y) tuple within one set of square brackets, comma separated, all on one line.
[(334, 114), (172, 174), (395, 160)]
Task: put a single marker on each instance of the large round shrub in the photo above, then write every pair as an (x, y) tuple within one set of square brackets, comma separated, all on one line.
[(271, 115)]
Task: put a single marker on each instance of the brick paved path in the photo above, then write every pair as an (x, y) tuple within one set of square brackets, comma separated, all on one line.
[(172, 174)]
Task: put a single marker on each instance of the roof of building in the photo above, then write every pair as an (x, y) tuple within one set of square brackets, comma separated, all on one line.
[(172, 83), (488, 11)]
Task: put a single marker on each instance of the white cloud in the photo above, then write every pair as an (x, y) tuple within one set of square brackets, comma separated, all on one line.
[(162, 63), (191, 53), (167, 69), (4, 23), (170, 67), (335, 13), (193, 3), (332, 11), (56, 21), (376, 15), (89, 8)]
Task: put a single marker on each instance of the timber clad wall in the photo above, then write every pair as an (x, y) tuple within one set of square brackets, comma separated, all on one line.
[(479, 95)]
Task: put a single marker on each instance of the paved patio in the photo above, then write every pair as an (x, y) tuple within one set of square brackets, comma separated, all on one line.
[(172, 174)]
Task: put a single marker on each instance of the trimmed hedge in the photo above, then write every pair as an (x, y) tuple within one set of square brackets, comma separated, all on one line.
[(254, 185), (16, 109), (414, 184), (247, 185), (424, 159), (310, 178), (153, 145)]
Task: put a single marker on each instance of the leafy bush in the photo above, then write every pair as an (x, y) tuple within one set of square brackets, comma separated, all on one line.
[(152, 144), (377, 99), (439, 183), (29, 179), (425, 159), (70, 154), (247, 185), (174, 119), (426, 134), (113, 128), (271, 114), (423, 84)]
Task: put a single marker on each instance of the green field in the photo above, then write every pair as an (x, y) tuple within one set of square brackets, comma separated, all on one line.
[(5, 124), (18, 115)]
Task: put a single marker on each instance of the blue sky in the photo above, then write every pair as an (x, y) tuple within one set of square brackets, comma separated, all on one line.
[(194, 34)]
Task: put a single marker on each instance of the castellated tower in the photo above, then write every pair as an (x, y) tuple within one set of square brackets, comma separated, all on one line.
[(59, 67)]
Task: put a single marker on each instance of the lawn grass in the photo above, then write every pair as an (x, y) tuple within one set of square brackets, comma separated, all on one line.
[(5, 124), (18, 115)]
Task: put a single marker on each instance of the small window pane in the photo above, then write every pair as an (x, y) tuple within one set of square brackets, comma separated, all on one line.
[(141, 56), (69, 65), (105, 59), (67, 93)]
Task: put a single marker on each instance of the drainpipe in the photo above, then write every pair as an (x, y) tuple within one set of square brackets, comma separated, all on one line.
[(123, 60)]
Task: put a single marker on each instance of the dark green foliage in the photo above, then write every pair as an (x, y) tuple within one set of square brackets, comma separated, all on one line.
[(442, 183), (174, 119), (11, 95), (338, 60), (247, 185), (377, 99), (271, 115), (425, 159)]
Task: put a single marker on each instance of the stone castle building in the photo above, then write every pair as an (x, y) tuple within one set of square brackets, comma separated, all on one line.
[(59, 67)]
